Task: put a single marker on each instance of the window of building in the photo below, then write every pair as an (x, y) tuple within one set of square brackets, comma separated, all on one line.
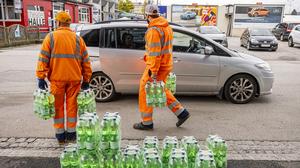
[(131, 38), (91, 38), (9, 11), (84, 15)]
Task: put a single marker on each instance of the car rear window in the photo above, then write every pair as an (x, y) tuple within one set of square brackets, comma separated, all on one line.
[(292, 25)]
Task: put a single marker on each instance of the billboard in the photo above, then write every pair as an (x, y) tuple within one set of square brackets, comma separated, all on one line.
[(163, 11), (266, 16), (193, 15)]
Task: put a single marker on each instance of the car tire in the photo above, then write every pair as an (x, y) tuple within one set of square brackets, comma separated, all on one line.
[(188, 17), (248, 46), (240, 89), (291, 42), (103, 87)]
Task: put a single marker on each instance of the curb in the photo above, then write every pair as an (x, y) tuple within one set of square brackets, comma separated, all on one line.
[(44, 152)]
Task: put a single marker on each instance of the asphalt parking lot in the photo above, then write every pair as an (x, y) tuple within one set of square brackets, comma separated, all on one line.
[(272, 117)]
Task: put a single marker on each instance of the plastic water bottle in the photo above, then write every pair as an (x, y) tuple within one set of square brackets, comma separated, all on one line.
[(205, 159), (191, 146), (161, 94), (149, 97), (131, 157), (169, 143), (152, 158), (150, 142), (171, 82), (219, 149), (69, 157), (178, 158), (91, 159)]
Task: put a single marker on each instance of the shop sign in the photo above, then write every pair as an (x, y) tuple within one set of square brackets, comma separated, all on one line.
[(36, 16)]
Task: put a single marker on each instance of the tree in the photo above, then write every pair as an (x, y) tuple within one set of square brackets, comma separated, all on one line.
[(126, 5), (294, 12)]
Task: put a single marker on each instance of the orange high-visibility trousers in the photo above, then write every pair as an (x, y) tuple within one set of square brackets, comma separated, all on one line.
[(172, 103), (65, 92)]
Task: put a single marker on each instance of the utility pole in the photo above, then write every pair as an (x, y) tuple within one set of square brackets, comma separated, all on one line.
[(3, 18)]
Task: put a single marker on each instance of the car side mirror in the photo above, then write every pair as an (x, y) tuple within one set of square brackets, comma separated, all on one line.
[(208, 50)]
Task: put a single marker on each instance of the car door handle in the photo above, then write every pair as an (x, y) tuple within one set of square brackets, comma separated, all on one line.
[(175, 60)]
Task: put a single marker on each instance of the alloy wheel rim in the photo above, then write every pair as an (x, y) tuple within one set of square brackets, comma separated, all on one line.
[(102, 87), (241, 89)]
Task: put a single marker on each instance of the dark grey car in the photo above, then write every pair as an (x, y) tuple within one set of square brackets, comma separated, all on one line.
[(259, 39)]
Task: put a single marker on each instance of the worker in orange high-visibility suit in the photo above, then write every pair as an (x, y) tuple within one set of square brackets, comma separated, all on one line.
[(64, 61), (159, 63)]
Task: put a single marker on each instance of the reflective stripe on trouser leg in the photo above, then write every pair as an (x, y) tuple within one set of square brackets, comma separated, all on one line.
[(147, 118), (72, 90), (59, 121), (144, 109)]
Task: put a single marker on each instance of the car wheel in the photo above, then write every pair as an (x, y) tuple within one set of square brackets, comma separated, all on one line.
[(188, 17), (240, 89), (248, 46), (281, 38), (103, 87), (290, 42)]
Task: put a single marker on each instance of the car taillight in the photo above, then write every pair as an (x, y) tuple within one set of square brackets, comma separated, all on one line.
[(288, 30)]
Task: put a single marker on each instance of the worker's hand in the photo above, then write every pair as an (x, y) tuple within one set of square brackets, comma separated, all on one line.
[(85, 86), (42, 84)]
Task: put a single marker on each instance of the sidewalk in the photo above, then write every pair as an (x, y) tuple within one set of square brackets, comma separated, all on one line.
[(44, 152)]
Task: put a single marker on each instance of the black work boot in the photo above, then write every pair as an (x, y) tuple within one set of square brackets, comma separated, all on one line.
[(71, 137), (141, 126), (182, 117), (61, 138)]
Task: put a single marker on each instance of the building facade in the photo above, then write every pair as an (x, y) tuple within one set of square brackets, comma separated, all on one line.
[(41, 13)]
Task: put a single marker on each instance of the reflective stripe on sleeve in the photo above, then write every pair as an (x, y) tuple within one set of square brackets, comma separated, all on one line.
[(45, 53), (86, 59), (45, 60), (51, 42), (158, 44), (154, 54), (84, 53), (77, 49)]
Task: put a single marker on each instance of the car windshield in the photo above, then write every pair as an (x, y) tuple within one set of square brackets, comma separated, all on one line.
[(292, 25), (209, 30), (261, 32)]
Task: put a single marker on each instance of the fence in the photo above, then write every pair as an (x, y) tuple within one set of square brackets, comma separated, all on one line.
[(18, 35)]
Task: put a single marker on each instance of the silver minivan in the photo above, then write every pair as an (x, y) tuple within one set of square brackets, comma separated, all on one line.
[(202, 66)]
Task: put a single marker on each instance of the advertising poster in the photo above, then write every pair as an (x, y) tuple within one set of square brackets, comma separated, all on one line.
[(193, 15), (265, 16), (163, 11)]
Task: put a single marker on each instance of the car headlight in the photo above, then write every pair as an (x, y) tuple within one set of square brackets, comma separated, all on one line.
[(274, 41), (264, 66), (254, 40)]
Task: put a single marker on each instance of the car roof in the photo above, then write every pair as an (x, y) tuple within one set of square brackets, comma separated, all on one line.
[(121, 23)]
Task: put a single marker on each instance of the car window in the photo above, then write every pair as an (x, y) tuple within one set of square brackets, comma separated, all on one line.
[(186, 43), (131, 38), (297, 28), (109, 39), (91, 37)]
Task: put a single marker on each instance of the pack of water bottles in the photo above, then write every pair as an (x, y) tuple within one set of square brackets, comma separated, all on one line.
[(169, 143), (88, 131), (191, 146), (155, 94), (43, 104), (178, 158), (132, 157), (110, 138), (219, 149), (205, 159), (152, 158), (86, 101), (171, 82)]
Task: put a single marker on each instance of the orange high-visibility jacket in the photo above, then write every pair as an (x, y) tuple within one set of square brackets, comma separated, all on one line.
[(159, 39), (64, 57)]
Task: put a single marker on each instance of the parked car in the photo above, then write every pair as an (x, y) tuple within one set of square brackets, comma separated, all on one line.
[(202, 65), (283, 30), (259, 39), (214, 33), (255, 12), (130, 15), (294, 37), (188, 15)]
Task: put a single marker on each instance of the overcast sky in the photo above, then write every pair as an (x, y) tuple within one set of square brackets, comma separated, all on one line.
[(290, 4)]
